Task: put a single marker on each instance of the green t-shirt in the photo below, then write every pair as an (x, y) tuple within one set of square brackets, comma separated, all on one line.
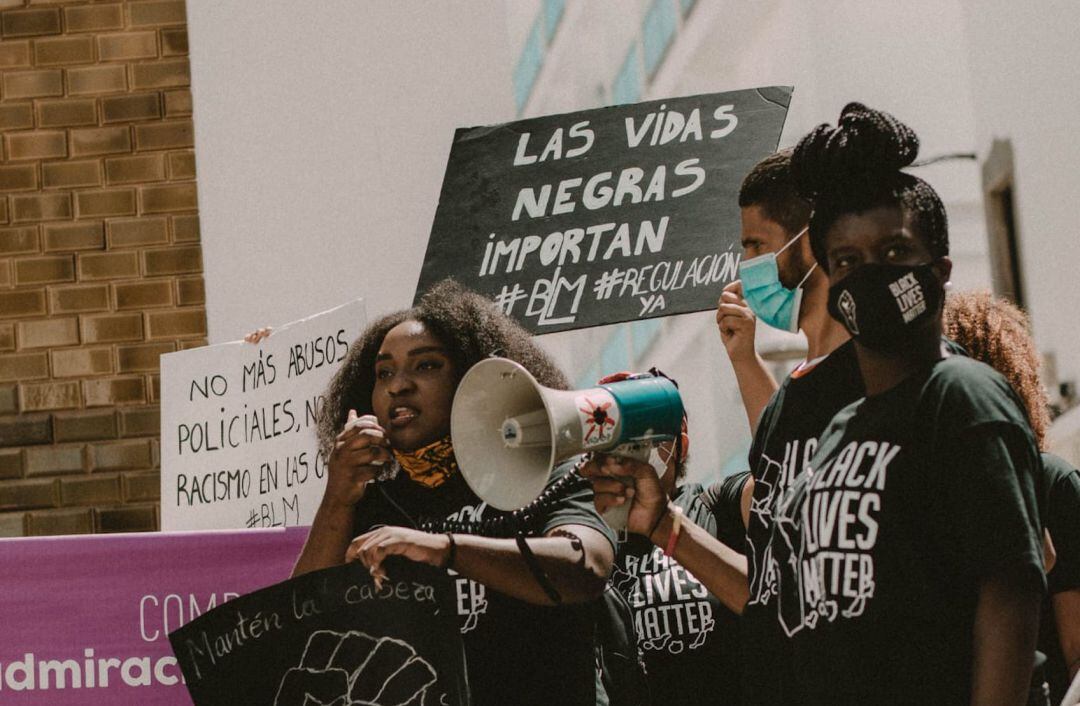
[(913, 497), (515, 652), (784, 442), (1059, 488)]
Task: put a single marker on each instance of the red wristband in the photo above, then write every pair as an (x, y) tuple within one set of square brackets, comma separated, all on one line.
[(676, 527)]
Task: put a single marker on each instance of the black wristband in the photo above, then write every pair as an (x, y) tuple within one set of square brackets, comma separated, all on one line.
[(537, 571), (659, 519), (451, 552)]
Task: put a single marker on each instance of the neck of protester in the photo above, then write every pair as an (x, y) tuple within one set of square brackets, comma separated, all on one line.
[(882, 371), (824, 334)]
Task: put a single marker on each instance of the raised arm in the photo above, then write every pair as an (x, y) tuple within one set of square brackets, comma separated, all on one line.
[(737, 324), (718, 566)]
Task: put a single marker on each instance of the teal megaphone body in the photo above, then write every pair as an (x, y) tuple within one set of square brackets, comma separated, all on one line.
[(510, 432)]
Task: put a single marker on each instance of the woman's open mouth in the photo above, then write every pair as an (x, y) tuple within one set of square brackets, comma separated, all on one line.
[(402, 416)]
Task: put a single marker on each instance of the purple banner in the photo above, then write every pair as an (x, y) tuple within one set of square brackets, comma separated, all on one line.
[(85, 619)]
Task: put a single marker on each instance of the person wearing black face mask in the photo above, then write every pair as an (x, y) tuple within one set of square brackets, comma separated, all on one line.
[(907, 560)]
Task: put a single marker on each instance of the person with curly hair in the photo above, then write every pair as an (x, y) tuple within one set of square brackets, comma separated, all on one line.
[(997, 332), (526, 625), (907, 558)]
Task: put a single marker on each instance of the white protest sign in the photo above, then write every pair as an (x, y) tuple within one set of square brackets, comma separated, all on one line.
[(238, 425)]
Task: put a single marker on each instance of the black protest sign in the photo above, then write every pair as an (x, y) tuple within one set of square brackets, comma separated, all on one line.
[(606, 215), (330, 638)]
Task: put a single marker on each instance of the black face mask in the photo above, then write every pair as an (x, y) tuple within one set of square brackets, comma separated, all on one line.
[(881, 305)]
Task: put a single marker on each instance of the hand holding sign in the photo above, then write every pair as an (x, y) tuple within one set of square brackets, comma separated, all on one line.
[(238, 447), (737, 324)]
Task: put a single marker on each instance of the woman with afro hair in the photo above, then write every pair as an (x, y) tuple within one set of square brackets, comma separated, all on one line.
[(907, 558), (522, 603)]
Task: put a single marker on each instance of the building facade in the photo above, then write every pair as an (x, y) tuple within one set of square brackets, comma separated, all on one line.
[(964, 75), (100, 257)]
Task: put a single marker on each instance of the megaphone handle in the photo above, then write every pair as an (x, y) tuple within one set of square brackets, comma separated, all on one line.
[(617, 516)]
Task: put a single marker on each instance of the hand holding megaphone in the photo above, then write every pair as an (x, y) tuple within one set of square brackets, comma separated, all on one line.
[(510, 432), (630, 485)]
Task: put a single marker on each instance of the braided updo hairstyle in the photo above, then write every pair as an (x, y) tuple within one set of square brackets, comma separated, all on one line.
[(856, 166)]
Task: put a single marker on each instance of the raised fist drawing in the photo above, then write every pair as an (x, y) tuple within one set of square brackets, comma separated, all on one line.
[(355, 669)]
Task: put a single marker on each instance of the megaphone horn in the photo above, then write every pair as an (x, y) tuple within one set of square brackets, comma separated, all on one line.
[(510, 431)]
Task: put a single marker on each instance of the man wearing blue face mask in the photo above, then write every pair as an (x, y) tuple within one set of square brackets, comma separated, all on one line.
[(781, 285), (779, 282)]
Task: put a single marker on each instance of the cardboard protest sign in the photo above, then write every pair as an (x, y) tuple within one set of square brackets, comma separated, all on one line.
[(85, 619), (238, 444), (605, 215), (330, 638)]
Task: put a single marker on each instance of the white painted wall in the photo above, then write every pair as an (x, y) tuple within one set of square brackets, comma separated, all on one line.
[(1026, 86), (322, 131)]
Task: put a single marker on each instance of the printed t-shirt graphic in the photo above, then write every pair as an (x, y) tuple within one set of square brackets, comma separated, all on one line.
[(515, 652), (1059, 490), (913, 497), (688, 639), (786, 437)]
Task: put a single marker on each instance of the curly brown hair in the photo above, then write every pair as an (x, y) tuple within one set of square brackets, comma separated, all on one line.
[(469, 325), (998, 333)]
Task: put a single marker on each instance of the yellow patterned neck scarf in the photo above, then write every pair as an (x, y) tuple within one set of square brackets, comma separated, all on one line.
[(430, 465)]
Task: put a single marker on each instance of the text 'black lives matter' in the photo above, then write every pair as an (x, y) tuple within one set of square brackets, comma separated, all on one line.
[(330, 637), (606, 215)]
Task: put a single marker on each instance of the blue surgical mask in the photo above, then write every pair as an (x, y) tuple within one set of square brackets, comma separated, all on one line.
[(770, 300)]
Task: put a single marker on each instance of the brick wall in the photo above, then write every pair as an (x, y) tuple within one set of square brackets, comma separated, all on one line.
[(100, 262)]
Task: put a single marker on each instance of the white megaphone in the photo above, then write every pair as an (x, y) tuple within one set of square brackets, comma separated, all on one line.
[(510, 432)]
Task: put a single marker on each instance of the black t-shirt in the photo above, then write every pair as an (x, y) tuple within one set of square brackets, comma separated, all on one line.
[(786, 437), (688, 639), (724, 498), (516, 652), (914, 496), (1060, 503)]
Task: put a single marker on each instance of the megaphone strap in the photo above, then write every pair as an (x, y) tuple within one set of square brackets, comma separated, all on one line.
[(538, 571), (519, 521)]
